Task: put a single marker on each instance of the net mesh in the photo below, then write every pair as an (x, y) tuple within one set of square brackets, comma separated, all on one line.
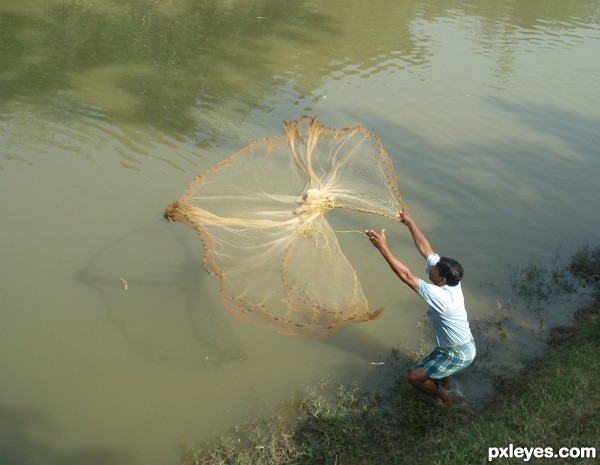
[(261, 214)]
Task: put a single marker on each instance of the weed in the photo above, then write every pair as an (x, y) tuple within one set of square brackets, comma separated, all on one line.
[(501, 318), (585, 265)]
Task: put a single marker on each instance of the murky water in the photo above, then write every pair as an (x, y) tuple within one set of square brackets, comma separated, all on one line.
[(490, 112)]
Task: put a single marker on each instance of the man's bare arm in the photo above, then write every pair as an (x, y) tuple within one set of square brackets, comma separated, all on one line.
[(419, 238), (401, 270)]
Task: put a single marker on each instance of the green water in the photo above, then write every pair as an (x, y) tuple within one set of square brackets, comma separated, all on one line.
[(108, 109)]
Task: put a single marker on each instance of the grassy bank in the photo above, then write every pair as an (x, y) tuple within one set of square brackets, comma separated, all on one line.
[(554, 402)]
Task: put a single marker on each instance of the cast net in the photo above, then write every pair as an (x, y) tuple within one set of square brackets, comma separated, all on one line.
[(261, 214)]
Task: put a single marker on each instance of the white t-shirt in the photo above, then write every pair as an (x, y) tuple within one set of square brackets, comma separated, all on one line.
[(446, 311)]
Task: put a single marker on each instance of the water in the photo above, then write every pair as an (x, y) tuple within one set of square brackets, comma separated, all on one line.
[(107, 109)]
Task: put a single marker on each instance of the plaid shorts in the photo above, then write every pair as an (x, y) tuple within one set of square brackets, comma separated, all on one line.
[(444, 361)]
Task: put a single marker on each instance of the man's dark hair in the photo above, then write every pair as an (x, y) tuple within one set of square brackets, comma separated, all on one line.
[(451, 270)]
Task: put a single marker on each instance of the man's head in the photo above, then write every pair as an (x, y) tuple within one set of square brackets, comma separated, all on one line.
[(446, 271)]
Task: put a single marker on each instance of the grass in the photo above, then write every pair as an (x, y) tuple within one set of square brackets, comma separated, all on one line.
[(554, 402)]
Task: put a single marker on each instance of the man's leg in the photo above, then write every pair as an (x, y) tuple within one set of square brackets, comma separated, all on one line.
[(419, 380)]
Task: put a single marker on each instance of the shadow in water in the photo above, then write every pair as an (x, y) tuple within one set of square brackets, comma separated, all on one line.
[(27, 437), (359, 343), (155, 290), (576, 132)]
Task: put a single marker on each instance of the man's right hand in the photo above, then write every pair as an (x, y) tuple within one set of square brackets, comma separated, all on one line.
[(403, 217), (419, 238)]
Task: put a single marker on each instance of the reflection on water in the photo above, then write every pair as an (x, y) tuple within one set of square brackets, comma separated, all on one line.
[(108, 108), (150, 281), (142, 62), (177, 67)]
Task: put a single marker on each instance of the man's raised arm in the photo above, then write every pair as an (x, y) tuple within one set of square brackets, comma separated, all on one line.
[(419, 238), (401, 270)]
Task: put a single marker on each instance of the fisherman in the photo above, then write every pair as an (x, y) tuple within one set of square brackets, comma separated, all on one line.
[(455, 348)]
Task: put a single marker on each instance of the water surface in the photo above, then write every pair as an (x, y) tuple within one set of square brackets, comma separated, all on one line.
[(108, 109)]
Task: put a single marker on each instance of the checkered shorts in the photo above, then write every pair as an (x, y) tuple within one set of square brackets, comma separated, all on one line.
[(444, 361)]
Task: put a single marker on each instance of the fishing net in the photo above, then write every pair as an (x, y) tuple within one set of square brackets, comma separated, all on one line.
[(261, 214)]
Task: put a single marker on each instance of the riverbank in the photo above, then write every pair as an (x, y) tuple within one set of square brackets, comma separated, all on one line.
[(553, 403)]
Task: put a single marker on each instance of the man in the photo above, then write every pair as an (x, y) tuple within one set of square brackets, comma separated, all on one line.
[(455, 346)]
